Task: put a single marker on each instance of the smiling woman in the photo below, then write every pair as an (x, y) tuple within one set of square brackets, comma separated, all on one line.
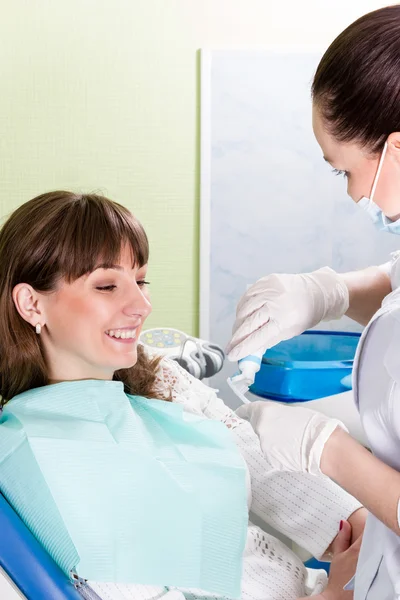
[(73, 268)]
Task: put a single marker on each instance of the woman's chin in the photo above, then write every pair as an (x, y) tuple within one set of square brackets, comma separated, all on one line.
[(126, 362)]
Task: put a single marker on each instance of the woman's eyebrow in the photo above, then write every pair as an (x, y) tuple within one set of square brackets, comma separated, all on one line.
[(108, 266)]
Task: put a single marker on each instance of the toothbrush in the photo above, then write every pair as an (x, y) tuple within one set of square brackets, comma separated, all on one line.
[(248, 367)]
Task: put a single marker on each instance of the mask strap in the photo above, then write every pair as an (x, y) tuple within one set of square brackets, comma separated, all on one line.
[(378, 172)]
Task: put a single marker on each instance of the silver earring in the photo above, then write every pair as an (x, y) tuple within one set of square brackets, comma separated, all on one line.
[(38, 328)]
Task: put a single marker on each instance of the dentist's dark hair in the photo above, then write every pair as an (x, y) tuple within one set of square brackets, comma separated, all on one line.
[(357, 83), (61, 235)]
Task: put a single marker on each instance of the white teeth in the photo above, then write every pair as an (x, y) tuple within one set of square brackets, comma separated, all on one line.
[(124, 334)]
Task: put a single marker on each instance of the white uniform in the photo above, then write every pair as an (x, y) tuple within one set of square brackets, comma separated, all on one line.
[(307, 509), (376, 385)]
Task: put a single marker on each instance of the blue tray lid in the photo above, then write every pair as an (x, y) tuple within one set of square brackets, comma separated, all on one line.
[(314, 349)]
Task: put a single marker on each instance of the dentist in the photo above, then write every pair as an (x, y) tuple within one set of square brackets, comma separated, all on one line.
[(356, 121)]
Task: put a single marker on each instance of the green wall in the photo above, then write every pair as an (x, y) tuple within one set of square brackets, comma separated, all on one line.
[(102, 96)]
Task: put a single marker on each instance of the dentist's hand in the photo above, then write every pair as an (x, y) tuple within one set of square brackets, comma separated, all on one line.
[(292, 438), (278, 307)]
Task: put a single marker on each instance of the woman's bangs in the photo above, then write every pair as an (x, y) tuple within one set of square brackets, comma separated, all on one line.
[(98, 237)]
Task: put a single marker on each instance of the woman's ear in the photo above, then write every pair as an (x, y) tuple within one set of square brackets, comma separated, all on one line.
[(27, 303)]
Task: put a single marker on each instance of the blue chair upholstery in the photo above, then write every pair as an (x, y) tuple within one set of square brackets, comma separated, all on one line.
[(26, 562)]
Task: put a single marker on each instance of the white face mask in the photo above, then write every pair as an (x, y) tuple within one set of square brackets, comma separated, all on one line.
[(380, 220)]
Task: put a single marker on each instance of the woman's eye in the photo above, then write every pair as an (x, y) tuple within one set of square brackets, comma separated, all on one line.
[(339, 172), (106, 288), (142, 283)]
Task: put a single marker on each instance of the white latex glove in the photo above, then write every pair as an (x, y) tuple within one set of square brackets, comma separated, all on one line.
[(292, 438), (280, 306)]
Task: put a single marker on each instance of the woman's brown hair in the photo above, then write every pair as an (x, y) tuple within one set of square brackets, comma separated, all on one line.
[(357, 83), (55, 236)]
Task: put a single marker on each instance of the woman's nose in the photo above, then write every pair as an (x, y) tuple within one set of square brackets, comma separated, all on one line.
[(138, 303)]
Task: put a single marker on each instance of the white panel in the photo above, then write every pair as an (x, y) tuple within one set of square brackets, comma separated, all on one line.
[(273, 204), (7, 589)]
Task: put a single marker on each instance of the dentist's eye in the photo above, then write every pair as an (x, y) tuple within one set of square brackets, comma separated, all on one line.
[(339, 172), (142, 283), (106, 288)]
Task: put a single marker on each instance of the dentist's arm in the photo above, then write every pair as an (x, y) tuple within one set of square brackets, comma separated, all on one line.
[(367, 289), (364, 476), (281, 306)]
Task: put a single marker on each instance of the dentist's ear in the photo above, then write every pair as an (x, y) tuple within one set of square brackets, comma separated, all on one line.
[(393, 148), (27, 303)]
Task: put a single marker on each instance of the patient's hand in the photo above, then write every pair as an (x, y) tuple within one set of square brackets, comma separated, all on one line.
[(357, 521), (343, 566)]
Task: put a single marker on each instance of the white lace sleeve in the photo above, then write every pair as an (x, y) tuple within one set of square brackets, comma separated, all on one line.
[(305, 508), (195, 396)]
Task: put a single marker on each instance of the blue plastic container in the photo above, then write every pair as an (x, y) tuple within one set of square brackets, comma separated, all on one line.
[(307, 367)]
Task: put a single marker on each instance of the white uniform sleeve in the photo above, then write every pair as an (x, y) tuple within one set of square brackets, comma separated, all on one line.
[(392, 268), (305, 508), (386, 267)]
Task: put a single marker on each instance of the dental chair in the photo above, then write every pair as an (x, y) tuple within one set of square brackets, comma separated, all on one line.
[(27, 564)]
